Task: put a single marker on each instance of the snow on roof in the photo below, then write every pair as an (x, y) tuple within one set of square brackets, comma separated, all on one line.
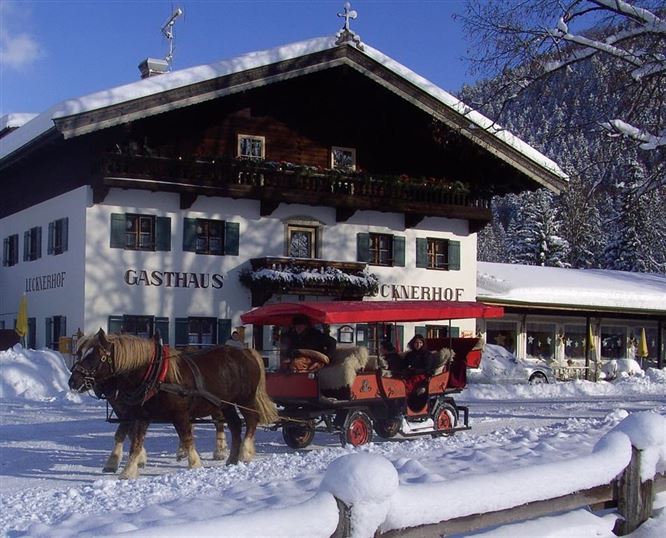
[(15, 119), (186, 77), (589, 288)]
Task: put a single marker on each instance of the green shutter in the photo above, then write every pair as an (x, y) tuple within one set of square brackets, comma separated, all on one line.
[(115, 324), (63, 326), (362, 334), (398, 251), (223, 330), (454, 255), (420, 329), (363, 247), (182, 332), (231, 239), (421, 252), (163, 233), (162, 325), (49, 332), (65, 233), (5, 251), (455, 332), (38, 230), (26, 246), (190, 235), (400, 337), (117, 230), (49, 247)]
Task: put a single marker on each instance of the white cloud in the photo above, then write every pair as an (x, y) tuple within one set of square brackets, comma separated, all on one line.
[(17, 51)]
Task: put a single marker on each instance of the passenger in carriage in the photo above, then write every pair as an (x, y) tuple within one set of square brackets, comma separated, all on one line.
[(305, 348), (389, 359), (418, 365)]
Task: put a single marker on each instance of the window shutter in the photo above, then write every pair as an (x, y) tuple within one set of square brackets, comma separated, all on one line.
[(163, 233), (162, 325), (455, 332), (421, 252), (223, 330), (454, 255), (231, 238), (420, 329), (49, 332), (362, 334), (26, 246), (49, 248), (63, 326), (190, 235), (398, 251), (363, 247), (115, 324), (5, 251), (65, 233), (182, 336), (38, 231), (117, 230), (400, 337)]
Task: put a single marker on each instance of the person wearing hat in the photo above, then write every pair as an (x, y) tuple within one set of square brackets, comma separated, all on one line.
[(302, 338)]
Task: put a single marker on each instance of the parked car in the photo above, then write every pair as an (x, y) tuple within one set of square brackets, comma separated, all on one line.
[(618, 368), (498, 365)]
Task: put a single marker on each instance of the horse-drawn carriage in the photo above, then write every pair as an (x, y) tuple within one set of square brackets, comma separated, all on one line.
[(362, 398)]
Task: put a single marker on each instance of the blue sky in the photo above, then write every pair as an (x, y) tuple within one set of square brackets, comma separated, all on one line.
[(51, 50)]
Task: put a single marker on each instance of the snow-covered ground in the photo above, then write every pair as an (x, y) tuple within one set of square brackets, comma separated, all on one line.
[(53, 445)]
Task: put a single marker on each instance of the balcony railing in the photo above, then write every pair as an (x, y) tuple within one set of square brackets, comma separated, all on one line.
[(284, 182), (305, 276)]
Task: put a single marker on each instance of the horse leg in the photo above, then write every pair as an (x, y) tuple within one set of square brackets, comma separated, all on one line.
[(113, 461), (181, 453), (248, 450), (184, 428), (234, 422), (220, 439), (137, 452)]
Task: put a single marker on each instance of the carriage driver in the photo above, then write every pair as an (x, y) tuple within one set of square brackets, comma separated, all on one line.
[(303, 344)]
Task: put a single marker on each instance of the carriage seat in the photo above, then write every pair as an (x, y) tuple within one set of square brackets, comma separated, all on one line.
[(345, 364), (441, 361)]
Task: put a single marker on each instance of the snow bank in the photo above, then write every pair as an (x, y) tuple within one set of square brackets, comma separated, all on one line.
[(34, 375)]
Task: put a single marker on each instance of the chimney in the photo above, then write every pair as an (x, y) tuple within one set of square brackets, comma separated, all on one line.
[(152, 66)]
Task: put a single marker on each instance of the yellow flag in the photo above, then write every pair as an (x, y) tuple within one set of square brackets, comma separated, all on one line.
[(22, 317), (642, 350), (590, 337)]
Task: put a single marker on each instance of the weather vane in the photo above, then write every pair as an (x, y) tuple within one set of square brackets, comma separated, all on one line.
[(167, 31), (346, 34)]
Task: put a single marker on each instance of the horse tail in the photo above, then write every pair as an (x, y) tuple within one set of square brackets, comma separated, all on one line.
[(262, 401)]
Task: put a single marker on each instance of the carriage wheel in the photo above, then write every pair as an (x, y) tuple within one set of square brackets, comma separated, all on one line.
[(387, 427), (357, 429), (298, 435), (445, 416)]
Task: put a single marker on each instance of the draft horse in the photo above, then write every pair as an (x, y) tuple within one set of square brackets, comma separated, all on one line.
[(198, 385)]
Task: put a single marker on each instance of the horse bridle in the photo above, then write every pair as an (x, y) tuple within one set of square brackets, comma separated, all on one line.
[(89, 379)]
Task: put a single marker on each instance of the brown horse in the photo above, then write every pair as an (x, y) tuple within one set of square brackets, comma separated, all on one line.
[(198, 385), (109, 392)]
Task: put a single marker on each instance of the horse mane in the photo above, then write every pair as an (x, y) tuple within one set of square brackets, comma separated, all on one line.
[(132, 352)]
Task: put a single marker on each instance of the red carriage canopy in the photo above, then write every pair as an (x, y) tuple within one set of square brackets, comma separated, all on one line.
[(336, 312)]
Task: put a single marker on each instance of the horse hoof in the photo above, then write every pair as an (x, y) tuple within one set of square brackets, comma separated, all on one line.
[(109, 470), (219, 456)]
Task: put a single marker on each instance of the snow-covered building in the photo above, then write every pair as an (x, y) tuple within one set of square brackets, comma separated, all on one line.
[(558, 314), (320, 169)]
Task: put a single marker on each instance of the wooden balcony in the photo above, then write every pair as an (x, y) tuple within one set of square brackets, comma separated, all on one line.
[(273, 183), (304, 276)]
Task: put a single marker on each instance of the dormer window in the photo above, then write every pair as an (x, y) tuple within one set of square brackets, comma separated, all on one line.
[(251, 146), (343, 158)]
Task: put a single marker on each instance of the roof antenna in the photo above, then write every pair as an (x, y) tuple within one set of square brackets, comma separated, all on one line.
[(167, 31)]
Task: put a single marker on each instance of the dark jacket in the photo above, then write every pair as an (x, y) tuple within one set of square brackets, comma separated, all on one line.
[(393, 361), (310, 338), (419, 361)]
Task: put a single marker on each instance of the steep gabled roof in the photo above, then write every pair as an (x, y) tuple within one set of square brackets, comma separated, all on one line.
[(186, 87)]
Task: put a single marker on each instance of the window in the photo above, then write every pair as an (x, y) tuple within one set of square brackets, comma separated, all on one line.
[(202, 332), (140, 232), (343, 158), (613, 342), (56, 327), (302, 241), (216, 237), (251, 147), (346, 334), (32, 244), (10, 250), (372, 334), (143, 326), (502, 333), (58, 236), (381, 249), (439, 254), (574, 341), (540, 340), (437, 331)]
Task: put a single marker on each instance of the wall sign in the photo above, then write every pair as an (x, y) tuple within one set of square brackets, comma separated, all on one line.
[(425, 293), (45, 282), (173, 279)]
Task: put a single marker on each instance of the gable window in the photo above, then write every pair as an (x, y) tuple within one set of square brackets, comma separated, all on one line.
[(251, 147), (10, 246), (343, 158), (58, 236), (439, 254), (132, 231), (206, 236), (32, 244), (302, 241), (381, 249), (202, 332)]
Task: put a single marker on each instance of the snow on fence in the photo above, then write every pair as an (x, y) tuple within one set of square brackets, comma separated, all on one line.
[(360, 495)]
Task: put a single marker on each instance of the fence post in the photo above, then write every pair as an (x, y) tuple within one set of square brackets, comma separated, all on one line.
[(634, 502), (343, 530)]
